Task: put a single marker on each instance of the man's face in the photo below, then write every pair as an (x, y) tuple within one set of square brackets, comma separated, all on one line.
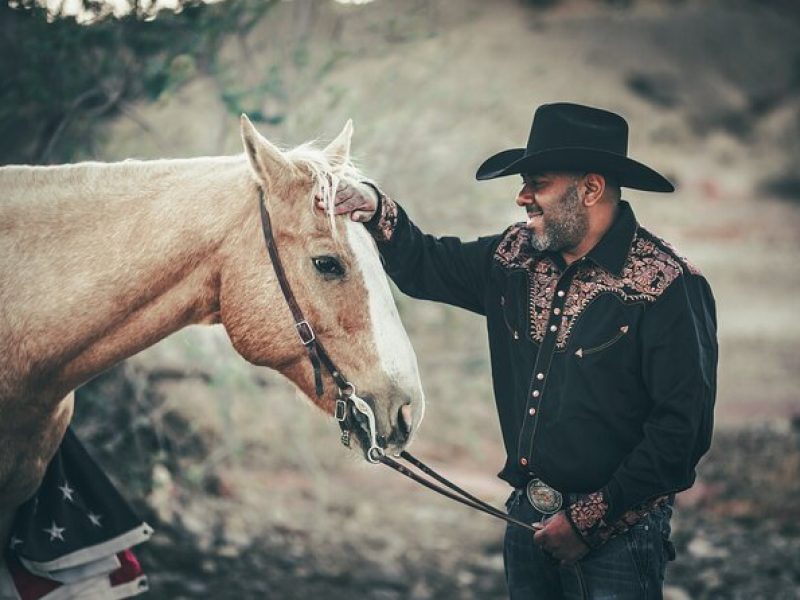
[(557, 218)]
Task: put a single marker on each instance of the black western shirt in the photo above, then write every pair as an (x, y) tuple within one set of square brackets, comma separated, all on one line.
[(604, 371)]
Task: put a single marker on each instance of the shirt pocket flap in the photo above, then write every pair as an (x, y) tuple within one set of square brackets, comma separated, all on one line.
[(613, 338)]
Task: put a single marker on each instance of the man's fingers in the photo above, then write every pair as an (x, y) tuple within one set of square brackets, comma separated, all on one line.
[(354, 203), (337, 208), (344, 197), (345, 192), (351, 199), (361, 216), (353, 206)]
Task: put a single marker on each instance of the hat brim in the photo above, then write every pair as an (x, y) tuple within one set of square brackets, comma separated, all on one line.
[(627, 172)]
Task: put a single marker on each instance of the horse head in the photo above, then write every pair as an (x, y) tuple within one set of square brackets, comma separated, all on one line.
[(334, 270)]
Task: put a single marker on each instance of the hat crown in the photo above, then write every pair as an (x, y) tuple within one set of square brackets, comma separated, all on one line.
[(565, 125)]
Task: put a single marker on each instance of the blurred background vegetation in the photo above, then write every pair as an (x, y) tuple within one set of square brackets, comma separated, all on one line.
[(66, 68), (248, 489)]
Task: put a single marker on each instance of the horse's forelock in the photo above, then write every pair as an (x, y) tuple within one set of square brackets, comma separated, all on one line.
[(325, 176)]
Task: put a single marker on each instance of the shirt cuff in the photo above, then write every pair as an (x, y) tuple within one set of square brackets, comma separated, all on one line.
[(587, 515), (384, 221)]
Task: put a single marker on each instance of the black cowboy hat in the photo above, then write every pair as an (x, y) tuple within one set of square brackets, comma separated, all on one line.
[(570, 137)]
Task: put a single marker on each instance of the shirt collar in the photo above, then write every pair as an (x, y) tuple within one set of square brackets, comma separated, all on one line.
[(612, 250)]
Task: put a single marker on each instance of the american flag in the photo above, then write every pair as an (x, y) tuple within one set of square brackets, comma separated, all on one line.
[(72, 539)]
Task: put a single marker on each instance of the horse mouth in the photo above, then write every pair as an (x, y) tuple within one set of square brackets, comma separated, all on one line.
[(374, 443), (361, 431)]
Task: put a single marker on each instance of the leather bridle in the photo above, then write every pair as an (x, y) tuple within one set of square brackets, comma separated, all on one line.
[(349, 406), (348, 403)]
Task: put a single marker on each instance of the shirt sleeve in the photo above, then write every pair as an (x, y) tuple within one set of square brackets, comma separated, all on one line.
[(443, 269), (678, 366)]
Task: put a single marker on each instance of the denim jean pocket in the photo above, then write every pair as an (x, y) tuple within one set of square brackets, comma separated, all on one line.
[(640, 543), (666, 532), (651, 549)]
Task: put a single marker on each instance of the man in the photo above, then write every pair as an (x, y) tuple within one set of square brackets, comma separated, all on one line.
[(603, 353)]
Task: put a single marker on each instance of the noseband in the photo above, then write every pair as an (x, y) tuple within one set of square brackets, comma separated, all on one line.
[(349, 404)]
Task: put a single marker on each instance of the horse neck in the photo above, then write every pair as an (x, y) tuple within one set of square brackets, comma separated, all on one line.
[(103, 260)]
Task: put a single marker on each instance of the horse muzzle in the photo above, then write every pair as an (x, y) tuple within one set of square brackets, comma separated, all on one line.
[(359, 418)]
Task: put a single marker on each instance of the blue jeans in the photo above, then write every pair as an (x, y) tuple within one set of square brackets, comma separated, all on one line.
[(628, 567)]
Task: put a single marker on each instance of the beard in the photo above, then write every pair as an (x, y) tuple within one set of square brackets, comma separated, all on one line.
[(564, 225)]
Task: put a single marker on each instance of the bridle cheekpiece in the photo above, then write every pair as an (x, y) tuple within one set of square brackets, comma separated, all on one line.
[(348, 403)]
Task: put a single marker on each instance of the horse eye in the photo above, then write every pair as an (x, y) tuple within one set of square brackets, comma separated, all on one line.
[(329, 266)]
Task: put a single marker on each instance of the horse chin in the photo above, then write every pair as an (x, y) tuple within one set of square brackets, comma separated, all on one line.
[(360, 442)]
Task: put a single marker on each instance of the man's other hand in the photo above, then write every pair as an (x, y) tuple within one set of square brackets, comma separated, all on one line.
[(558, 538), (353, 197)]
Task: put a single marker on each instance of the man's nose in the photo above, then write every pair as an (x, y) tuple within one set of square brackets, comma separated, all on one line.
[(525, 195)]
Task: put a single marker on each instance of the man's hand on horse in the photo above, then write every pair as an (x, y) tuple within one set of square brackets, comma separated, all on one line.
[(557, 537), (353, 197)]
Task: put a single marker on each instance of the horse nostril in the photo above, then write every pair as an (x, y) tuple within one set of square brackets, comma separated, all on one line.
[(406, 418)]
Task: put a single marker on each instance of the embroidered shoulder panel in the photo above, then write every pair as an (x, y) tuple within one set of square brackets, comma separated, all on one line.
[(682, 259), (514, 250), (648, 272)]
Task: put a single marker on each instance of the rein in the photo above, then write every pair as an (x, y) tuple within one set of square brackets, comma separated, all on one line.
[(349, 404)]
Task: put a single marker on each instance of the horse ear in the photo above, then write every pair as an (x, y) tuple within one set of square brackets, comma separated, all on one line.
[(338, 151), (267, 161)]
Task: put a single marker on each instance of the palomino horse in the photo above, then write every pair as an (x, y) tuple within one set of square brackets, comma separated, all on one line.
[(100, 261)]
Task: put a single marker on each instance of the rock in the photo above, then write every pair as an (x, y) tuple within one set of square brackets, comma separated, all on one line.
[(465, 578), (421, 591), (492, 563), (701, 547), (672, 592), (162, 497)]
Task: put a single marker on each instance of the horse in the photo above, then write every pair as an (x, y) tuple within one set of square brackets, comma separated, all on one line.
[(102, 260)]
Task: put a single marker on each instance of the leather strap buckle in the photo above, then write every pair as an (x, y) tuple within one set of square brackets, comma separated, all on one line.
[(305, 332), (341, 410)]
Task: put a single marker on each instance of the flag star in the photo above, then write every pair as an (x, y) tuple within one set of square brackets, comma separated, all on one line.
[(15, 541), (67, 491), (95, 519), (55, 532)]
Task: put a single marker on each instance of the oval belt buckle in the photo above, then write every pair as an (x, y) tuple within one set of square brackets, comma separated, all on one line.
[(543, 498)]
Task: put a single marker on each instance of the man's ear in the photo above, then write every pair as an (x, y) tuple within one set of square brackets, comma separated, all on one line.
[(594, 186), (268, 163)]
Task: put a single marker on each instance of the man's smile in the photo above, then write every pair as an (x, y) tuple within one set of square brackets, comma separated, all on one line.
[(533, 213)]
